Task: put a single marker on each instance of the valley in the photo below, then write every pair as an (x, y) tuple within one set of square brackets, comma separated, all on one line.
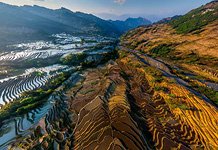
[(157, 108), (156, 87), (35, 70)]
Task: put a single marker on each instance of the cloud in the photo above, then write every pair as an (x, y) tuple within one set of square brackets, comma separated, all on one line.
[(119, 1)]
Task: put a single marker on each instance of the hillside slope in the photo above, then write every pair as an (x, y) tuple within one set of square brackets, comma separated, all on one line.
[(130, 103), (160, 92), (181, 42), (37, 23)]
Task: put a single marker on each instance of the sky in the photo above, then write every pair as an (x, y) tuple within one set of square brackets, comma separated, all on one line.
[(120, 9)]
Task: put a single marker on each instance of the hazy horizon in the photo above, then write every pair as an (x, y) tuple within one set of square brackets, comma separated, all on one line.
[(119, 9)]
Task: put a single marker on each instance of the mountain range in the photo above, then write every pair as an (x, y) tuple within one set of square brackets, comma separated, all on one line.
[(130, 23), (159, 93), (157, 90), (26, 23)]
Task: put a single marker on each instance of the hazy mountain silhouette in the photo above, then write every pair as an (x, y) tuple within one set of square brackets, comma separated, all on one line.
[(34, 22), (27, 23), (130, 23)]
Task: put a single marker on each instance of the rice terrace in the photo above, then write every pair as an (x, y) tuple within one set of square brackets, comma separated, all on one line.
[(108, 75)]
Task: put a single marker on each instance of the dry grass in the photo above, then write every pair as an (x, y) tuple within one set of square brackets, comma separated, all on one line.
[(204, 43), (190, 110)]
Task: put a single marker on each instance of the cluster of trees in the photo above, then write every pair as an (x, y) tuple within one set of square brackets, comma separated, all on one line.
[(73, 59), (162, 50)]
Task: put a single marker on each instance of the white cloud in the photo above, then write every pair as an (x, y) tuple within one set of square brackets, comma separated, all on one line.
[(119, 1)]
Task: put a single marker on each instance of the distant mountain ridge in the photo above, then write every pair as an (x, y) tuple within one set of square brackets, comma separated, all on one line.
[(130, 23), (33, 22), (27, 23), (79, 21)]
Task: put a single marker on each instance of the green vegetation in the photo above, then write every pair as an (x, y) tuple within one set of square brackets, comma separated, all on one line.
[(86, 59), (173, 103), (33, 99), (160, 88), (158, 76), (135, 65), (40, 74), (171, 80), (210, 93), (172, 95), (166, 51), (23, 105), (195, 20), (158, 79), (123, 54), (162, 50), (135, 44), (97, 59), (73, 59), (87, 91), (94, 83), (194, 58), (183, 106), (111, 45)]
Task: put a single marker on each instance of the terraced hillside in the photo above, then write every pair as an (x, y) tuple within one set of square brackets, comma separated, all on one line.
[(12, 88), (127, 104), (156, 90), (31, 72), (188, 44)]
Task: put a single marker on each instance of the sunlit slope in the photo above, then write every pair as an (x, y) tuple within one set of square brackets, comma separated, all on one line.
[(190, 40), (128, 104), (174, 114), (159, 93)]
